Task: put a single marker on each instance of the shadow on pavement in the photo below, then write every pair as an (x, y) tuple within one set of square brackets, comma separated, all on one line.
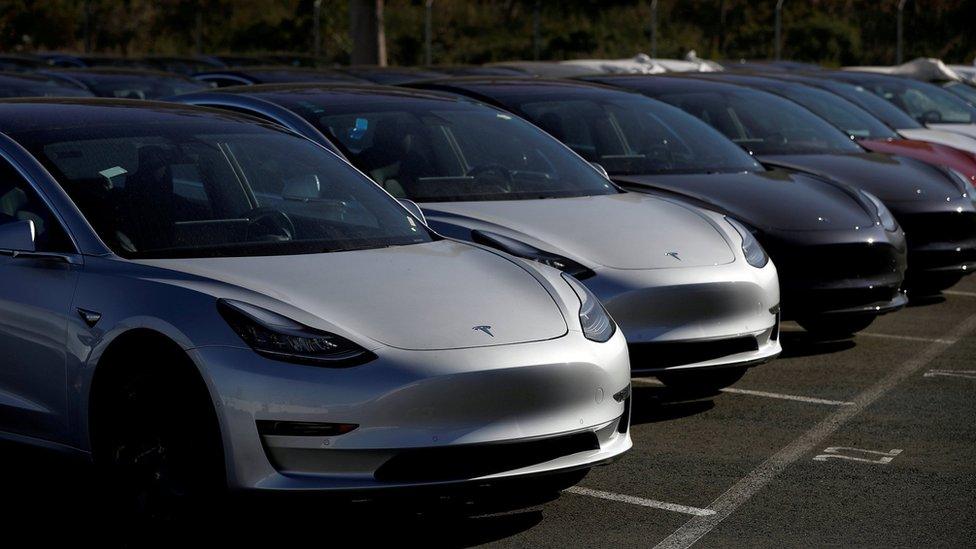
[(655, 404), (926, 300), (801, 344), (51, 496)]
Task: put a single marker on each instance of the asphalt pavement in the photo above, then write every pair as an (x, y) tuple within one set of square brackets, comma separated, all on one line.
[(866, 442)]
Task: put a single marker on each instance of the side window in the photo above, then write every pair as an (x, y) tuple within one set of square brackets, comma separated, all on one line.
[(19, 202)]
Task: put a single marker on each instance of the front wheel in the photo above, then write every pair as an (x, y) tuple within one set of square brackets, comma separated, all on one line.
[(159, 450), (702, 381), (836, 327)]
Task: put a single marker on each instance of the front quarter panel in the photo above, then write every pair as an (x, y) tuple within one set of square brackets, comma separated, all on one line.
[(128, 298)]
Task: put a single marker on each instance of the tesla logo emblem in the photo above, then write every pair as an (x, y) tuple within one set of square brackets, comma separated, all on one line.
[(673, 254), (485, 329)]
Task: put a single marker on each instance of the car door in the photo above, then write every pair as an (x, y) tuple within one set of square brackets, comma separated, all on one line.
[(36, 291)]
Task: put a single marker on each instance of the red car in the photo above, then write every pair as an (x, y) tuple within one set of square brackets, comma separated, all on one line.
[(932, 153)]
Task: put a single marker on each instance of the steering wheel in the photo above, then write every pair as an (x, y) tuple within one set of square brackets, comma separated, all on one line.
[(495, 168), (276, 224), (931, 117)]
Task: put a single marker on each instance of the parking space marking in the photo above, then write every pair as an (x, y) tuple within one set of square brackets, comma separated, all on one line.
[(797, 398), (758, 478), (750, 392), (837, 452), (643, 502), (968, 374), (908, 338), (959, 293)]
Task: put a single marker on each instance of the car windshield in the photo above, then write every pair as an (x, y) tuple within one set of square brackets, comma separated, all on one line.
[(442, 151), (924, 102), (965, 91), (764, 123), (883, 110), (839, 112), (139, 86), (212, 188), (633, 136)]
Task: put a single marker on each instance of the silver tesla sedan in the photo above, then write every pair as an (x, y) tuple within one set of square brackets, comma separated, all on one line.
[(196, 301), (693, 291)]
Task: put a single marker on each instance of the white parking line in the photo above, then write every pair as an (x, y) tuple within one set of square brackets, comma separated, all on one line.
[(786, 397), (750, 392), (961, 294), (968, 374), (908, 338), (643, 502), (742, 491)]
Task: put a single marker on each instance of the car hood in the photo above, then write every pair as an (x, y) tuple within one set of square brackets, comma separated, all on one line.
[(957, 140), (619, 231), (926, 151), (420, 297), (774, 199), (890, 178), (963, 129)]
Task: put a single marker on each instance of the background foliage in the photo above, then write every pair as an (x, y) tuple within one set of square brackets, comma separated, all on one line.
[(827, 31)]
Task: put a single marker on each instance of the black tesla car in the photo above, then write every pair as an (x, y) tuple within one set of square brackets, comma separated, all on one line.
[(19, 84), (247, 76), (839, 267), (930, 203), (125, 83)]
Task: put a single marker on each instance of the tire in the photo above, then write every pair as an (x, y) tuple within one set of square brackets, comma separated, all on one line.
[(161, 456), (701, 381), (836, 327)]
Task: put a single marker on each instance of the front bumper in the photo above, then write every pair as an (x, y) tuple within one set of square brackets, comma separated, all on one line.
[(693, 317), (941, 240), (838, 271), (555, 398)]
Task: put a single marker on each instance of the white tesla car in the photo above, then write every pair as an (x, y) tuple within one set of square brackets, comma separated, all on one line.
[(693, 291), (197, 299)]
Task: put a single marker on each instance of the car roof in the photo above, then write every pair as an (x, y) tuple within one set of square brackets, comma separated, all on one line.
[(109, 72), (750, 79), (337, 93), (18, 77), (257, 70), (545, 68), (28, 114), (665, 83), (865, 76), (499, 86)]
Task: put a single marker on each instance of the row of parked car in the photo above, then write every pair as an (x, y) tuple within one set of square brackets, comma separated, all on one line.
[(448, 282)]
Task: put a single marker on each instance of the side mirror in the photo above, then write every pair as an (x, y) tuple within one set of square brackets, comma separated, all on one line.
[(413, 208), (304, 188), (17, 236), (601, 169)]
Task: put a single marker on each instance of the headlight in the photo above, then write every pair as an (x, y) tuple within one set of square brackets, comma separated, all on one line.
[(753, 250), (280, 338), (521, 249), (594, 319), (884, 216)]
